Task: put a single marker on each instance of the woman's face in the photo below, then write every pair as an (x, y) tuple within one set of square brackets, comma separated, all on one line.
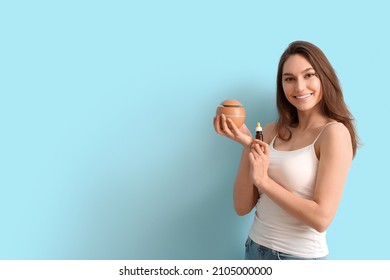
[(301, 85)]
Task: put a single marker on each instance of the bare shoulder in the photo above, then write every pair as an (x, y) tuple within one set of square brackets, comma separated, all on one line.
[(269, 132), (336, 131), (335, 139)]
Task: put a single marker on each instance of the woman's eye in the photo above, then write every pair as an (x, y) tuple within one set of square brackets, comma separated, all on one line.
[(288, 79), (309, 75)]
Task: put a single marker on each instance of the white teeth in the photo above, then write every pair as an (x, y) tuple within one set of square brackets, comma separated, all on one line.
[(303, 96)]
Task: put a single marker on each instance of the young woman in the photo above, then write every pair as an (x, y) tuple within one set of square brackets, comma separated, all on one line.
[(295, 178)]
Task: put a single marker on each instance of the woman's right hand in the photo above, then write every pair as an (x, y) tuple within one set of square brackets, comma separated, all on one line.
[(226, 127)]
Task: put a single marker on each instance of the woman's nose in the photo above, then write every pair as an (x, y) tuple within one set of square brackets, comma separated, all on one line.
[(301, 85)]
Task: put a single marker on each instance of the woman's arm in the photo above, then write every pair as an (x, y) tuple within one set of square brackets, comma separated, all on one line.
[(335, 160), (245, 193)]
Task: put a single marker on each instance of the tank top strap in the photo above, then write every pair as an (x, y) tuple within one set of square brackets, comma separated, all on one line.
[(273, 140), (322, 129)]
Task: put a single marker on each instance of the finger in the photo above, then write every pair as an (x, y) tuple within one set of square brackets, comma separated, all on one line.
[(257, 148), (259, 141), (264, 146), (234, 129), (217, 124), (225, 127), (251, 158), (233, 126), (255, 154)]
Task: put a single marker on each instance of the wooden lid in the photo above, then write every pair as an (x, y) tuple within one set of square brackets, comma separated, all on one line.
[(231, 103)]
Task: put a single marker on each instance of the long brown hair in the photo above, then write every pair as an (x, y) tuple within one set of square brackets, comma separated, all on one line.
[(332, 102)]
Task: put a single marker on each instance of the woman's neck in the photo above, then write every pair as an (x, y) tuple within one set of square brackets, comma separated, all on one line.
[(311, 119)]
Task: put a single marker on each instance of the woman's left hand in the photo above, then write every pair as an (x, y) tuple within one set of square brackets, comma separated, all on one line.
[(259, 162)]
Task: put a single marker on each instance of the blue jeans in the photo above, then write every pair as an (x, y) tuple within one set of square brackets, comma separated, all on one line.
[(254, 251)]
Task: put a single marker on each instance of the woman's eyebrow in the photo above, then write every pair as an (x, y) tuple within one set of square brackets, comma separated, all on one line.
[(307, 69)]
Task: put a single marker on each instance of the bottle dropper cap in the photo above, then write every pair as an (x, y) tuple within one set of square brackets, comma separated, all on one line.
[(258, 127)]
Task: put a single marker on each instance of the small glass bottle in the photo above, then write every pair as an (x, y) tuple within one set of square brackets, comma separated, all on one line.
[(259, 132)]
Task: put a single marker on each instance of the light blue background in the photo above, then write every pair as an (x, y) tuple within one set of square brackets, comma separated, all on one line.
[(107, 145)]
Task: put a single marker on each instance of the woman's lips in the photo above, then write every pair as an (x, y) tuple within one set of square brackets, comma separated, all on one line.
[(303, 96)]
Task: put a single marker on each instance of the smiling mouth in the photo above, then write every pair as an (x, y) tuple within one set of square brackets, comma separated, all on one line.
[(303, 96)]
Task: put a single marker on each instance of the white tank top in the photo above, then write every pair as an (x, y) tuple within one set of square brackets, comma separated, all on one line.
[(272, 226)]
